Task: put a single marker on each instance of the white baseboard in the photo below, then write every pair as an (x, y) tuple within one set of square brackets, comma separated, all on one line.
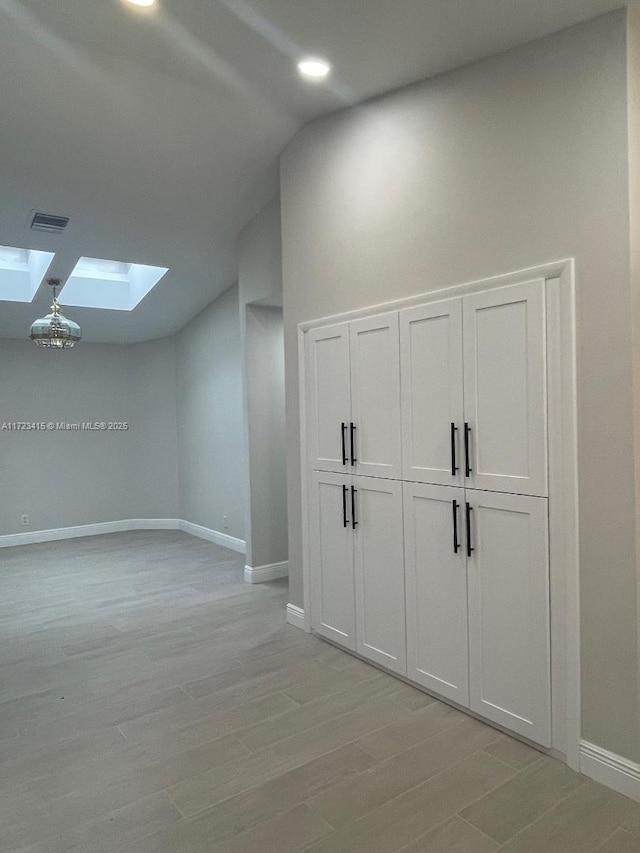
[(210, 535), (610, 769), (296, 617), (32, 537), (270, 572), (122, 526)]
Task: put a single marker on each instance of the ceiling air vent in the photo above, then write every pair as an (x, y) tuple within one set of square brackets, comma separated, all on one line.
[(49, 222)]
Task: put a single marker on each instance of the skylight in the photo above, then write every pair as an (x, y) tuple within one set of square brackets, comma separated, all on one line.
[(21, 273), (97, 283)]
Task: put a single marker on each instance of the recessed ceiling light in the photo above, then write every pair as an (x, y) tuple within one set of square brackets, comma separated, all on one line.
[(142, 2), (313, 68)]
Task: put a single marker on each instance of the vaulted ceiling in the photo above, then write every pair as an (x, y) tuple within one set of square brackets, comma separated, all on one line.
[(158, 131)]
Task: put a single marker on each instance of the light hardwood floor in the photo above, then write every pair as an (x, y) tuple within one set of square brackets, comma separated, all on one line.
[(151, 702)]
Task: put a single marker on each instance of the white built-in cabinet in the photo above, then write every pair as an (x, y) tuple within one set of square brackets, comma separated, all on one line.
[(354, 397), (505, 390), (328, 397), (432, 402), (474, 391), (357, 565), (331, 549), (379, 571), (427, 499), (477, 602), (436, 590), (509, 648)]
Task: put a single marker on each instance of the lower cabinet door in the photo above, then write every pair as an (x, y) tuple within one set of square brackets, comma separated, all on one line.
[(436, 590), (331, 538), (379, 571), (509, 647)]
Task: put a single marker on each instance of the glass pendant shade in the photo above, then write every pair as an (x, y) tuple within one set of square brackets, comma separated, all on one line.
[(55, 331)]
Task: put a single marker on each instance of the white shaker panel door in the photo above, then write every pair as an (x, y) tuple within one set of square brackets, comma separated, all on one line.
[(431, 359), (379, 571), (505, 389), (331, 550), (375, 396), (509, 645), (328, 397), (436, 590)]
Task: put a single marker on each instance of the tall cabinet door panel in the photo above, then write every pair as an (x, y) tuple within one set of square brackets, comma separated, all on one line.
[(379, 571), (431, 359), (375, 395), (505, 389), (508, 573), (331, 540), (436, 590), (328, 396)]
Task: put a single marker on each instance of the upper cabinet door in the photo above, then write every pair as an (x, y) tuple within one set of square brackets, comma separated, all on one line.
[(375, 436), (379, 571), (328, 397), (431, 358), (331, 551), (436, 589), (505, 390), (509, 646)]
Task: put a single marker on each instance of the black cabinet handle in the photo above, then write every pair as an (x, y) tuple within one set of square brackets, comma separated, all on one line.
[(343, 433), (345, 520), (467, 465), (456, 544), (354, 521), (454, 467), (353, 443), (470, 550)]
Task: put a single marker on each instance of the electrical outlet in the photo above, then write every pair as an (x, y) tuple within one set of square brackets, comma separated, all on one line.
[(225, 522), (24, 520)]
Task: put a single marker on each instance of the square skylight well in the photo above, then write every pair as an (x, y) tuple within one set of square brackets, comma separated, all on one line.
[(22, 272), (96, 283)]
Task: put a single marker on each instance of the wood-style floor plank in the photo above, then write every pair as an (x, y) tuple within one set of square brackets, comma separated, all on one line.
[(152, 702)]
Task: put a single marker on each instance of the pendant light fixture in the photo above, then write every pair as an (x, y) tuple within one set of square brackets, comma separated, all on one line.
[(54, 331)]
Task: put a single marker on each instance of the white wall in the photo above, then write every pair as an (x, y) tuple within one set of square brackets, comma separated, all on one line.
[(209, 406), (64, 479), (262, 336), (512, 162)]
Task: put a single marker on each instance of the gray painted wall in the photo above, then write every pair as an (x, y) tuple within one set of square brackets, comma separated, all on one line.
[(633, 80), (182, 456), (260, 258), (264, 359), (512, 162), (155, 428), (209, 410), (98, 476), (262, 335)]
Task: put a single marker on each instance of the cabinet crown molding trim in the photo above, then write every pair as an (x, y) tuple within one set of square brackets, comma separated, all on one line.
[(554, 269)]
